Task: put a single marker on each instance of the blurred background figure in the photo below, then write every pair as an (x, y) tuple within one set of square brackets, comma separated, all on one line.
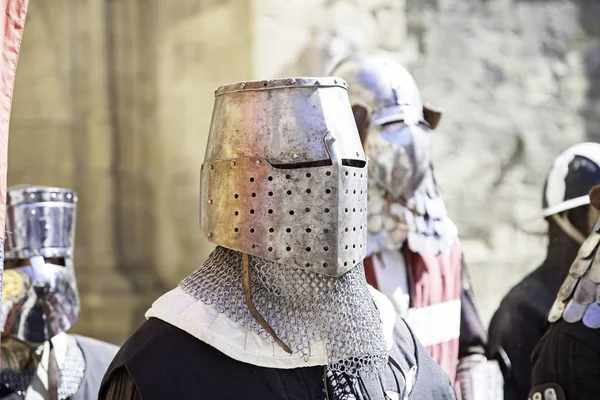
[(110, 100), (565, 361), (413, 254), (520, 321), (40, 302)]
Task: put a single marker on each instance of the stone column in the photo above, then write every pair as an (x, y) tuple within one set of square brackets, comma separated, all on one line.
[(60, 136)]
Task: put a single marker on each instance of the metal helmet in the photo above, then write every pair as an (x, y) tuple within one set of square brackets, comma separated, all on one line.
[(284, 177), (395, 128), (382, 84), (574, 172), (40, 297), (398, 140)]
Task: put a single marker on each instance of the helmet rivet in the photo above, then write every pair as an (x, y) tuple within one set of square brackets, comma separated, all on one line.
[(209, 234), (243, 85), (32, 195), (209, 201), (258, 162), (335, 81), (33, 212), (53, 195), (69, 196), (233, 164), (211, 166), (292, 81), (294, 156), (357, 154)]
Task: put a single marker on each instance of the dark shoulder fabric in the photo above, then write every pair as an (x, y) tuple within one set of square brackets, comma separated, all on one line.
[(97, 355), (121, 387), (12, 396), (516, 327), (569, 355), (166, 362)]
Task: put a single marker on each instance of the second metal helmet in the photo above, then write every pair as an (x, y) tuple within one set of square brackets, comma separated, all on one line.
[(396, 134), (382, 84)]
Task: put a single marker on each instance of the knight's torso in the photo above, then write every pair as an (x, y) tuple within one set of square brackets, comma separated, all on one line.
[(426, 290), (81, 364), (197, 354)]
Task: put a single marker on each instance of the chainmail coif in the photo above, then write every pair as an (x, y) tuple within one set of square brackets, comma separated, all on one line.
[(303, 308)]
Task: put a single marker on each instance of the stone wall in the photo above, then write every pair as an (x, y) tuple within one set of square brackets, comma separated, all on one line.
[(511, 76), (516, 80), (114, 98)]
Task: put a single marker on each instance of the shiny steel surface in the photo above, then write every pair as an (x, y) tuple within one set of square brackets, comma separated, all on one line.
[(39, 221), (382, 84), (398, 141), (285, 176), (39, 300)]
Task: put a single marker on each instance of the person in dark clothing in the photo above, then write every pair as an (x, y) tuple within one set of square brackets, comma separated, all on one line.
[(520, 321), (159, 349), (281, 308), (566, 360), (40, 302), (414, 255)]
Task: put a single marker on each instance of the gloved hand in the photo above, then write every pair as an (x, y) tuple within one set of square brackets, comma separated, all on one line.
[(479, 378)]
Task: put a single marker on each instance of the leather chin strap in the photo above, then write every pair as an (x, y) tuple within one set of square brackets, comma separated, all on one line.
[(259, 318), (53, 375), (563, 222)]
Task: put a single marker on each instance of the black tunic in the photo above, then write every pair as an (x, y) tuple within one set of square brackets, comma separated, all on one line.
[(569, 355), (518, 325), (161, 361)]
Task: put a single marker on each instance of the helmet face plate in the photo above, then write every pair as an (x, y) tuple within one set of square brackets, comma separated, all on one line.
[(288, 185), (39, 301)]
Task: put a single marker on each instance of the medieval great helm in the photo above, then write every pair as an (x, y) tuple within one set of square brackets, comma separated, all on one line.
[(283, 195), (284, 176), (395, 129), (573, 174), (39, 298)]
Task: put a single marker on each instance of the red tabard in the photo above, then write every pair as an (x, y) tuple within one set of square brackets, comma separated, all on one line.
[(433, 280)]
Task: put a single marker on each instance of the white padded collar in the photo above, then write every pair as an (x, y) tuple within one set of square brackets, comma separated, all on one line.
[(231, 338)]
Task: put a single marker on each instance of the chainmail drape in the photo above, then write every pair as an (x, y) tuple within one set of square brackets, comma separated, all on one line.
[(20, 363), (302, 307)]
